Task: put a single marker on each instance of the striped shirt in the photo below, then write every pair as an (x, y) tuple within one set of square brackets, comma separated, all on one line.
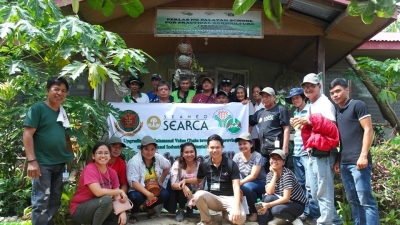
[(298, 141), (246, 167), (288, 181)]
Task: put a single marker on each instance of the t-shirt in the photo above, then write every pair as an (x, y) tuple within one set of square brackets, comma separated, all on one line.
[(49, 138), (222, 175), (323, 106), (288, 181), (351, 132), (120, 167), (202, 98), (142, 98), (175, 179), (91, 174), (176, 98), (298, 149), (246, 167), (271, 122), (152, 97)]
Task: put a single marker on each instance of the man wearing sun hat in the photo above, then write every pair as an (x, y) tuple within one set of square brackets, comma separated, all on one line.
[(273, 124), (134, 84), (300, 156), (206, 96)]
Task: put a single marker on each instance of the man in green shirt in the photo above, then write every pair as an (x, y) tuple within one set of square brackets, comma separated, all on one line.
[(183, 94), (48, 148)]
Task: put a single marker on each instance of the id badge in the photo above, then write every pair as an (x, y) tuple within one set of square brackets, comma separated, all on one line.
[(214, 187)]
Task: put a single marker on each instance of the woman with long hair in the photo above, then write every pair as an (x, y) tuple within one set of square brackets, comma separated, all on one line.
[(185, 168), (92, 202), (252, 171)]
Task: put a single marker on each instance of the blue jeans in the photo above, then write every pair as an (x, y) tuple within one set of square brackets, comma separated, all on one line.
[(300, 166), (357, 184), (321, 174), (253, 190), (288, 211), (46, 193), (138, 199)]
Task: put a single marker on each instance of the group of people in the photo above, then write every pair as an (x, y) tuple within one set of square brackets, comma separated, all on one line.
[(256, 180)]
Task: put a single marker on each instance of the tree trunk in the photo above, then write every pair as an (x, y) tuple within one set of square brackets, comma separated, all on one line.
[(387, 111)]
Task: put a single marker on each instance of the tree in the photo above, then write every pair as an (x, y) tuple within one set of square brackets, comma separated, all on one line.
[(382, 80)]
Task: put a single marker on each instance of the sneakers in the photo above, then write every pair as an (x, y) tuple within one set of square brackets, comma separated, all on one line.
[(277, 221), (180, 215), (297, 222), (204, 223)]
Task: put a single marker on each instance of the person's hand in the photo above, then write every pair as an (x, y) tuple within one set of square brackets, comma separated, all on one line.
[(187, 192), (150, 196), (244, 102), (265, 207), (285, 149), (33, 169), (122, 218), (362, 162), (300, 121), (182, 184), (123, 196), (274, 172), (336, 168), (235, 215)]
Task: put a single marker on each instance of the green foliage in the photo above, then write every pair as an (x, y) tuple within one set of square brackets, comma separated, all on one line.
[(344, 212), (38, 40), (14, 204), (132, 7), (384, 75), (367, 9), (272, 9), (69, 189)]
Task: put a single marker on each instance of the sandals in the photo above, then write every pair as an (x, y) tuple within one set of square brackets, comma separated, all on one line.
[(133, 219), (151, 214)]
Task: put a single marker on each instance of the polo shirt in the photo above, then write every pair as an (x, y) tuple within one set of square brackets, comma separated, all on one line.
[(176, 98), (350, 130), (219, 175), (142, 98)]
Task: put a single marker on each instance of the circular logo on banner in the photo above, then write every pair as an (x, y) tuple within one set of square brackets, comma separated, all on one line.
[(153, 122), (226, 120), (129, 121)]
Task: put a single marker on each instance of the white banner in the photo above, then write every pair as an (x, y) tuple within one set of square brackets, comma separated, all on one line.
[(173, 124)]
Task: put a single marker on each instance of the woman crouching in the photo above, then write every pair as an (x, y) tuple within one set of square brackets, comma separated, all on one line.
[(92, 202)]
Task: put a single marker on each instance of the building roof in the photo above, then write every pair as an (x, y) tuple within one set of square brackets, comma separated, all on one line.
[(386, 36)]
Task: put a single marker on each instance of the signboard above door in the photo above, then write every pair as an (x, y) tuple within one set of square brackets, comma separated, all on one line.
[(208, 23)]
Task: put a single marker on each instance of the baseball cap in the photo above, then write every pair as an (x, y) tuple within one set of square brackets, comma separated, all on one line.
[(268, 90), (311, 78), (148, 140), (278, 152), (244, 136), (114, 140), (226, 81), (221, 92), (293, 92), (155, 76), (207, 78)]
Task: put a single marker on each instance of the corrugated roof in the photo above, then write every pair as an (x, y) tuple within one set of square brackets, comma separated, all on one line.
[(318, 11), (386, 36)]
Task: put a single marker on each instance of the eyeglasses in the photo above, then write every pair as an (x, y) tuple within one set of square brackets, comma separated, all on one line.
[(312, 86), (103, 153), (275, 159), (163, 89)]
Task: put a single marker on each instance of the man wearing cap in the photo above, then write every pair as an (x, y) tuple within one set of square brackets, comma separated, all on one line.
[(206, 96), (163, 92), (222, 97), (116, 162), (153, 96), (320, 169), (273, 124), (354, 161), (183, 94), (284, 200), (134, 84), (300, 156), (226, 85)]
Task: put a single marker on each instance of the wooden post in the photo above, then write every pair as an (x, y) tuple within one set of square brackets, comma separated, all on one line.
[(321, 59)]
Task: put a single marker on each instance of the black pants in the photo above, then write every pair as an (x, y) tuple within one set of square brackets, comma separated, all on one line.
[(288, 211)]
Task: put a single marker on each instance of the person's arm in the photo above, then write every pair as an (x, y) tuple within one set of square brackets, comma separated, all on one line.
[(286, 138), (98, 191), (368, 137), (237, 197), (270, 187), (124, 187), (255, 171), (163, 176), (140, 188), (33, 166)]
